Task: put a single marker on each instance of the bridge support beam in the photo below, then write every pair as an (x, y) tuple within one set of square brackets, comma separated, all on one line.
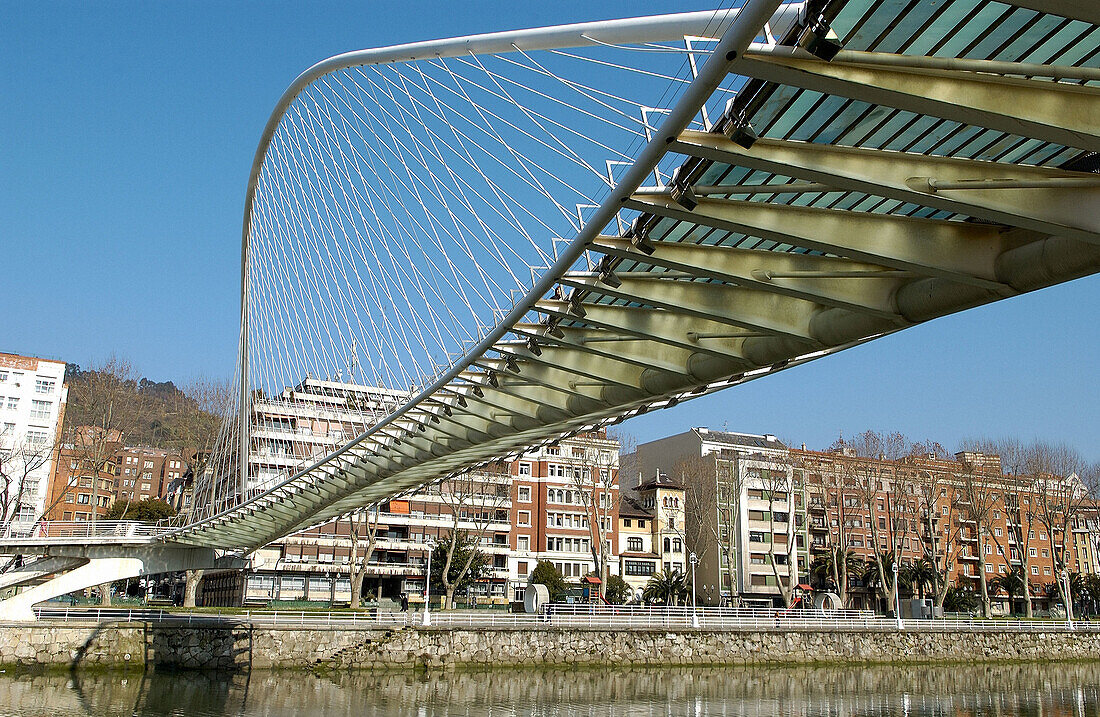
[(73, 568)]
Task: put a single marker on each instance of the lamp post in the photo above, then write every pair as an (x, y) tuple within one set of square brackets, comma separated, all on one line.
[(897, 598), (427, 590), (693, 559)]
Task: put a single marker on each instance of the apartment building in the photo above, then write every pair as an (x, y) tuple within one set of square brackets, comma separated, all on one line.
[(744, 512), (312, 419), (147, 472), (962, 514), (565, 504), (83, 484), (32, 408)]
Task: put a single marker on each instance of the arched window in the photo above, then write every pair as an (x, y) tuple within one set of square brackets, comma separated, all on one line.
[(668, 548)]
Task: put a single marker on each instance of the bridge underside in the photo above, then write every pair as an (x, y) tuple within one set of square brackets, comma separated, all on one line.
[(938, 157)]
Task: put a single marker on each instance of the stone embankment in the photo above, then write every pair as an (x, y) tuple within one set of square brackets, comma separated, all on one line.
[(243, 647)]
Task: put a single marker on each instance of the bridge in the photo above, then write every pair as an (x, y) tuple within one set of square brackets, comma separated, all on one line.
[(479, 245)]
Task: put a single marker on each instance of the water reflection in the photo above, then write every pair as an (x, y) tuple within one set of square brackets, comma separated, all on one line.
[(1070, 690)]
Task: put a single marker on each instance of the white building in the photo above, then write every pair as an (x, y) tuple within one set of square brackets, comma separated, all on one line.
[(32, 406), (748, 525)]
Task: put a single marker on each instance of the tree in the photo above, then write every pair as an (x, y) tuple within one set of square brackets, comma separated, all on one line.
[(1017, 461), (149, 510), (18, 490), (476, 499), (831, 485), (363, 526), (939, 531), (1062, 485), (546, 574), (884, 485), (1012, 583), (666, 588), (595, 482), (777, 482), (618, 591), (979, 497), (464, 566), (104, 408), (920, 574)]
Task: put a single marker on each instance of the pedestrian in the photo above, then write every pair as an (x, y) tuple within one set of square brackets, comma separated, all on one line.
[(404, 602)]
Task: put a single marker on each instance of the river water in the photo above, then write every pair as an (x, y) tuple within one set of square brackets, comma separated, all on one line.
[(1070, 690)]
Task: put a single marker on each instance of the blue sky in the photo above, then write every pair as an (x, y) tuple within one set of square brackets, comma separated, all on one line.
[(128, 130)]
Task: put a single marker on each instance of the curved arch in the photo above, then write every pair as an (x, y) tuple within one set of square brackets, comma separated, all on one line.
[(738, 28)]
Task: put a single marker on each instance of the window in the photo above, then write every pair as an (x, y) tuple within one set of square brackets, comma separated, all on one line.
[(43, 385), (13, 403), (989, 567), (997, 532), (638, 567), (634, 545), (521, 568), (3, 376), (671, 523), (148, 464), (523, 542), (626, 522), (553, 450), (1046, 570), (37, 437), (988, 549), (1032, 552), (40, 410), (84, 499), (945, 510), (668, 545), (1034, 569), (524, 494), (524, 518), (677, 546), (8, 428)]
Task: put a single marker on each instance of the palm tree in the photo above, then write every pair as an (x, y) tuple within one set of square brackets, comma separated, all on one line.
[(1012, 583), (666, 588), (920, 574)]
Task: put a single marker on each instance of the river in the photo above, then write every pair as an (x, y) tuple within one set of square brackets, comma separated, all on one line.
[(1070, 690)]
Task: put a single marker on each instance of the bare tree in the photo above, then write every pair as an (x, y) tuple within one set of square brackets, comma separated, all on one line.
[(885, 488), (18, 463), (594, 480), (1061, 494), (192, 428), (938, 526), (104, 407), (474, 498), (779, 491), (978, 498), (364, 533), (832, 484)]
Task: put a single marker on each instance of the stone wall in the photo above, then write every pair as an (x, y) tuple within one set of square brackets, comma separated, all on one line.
[(243, 647)]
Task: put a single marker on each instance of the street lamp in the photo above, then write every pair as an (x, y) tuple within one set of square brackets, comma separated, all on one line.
[(427, 593), (693, 559), (897, 597)]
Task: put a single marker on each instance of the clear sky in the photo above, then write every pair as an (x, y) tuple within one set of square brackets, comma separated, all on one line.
[(126, 135)]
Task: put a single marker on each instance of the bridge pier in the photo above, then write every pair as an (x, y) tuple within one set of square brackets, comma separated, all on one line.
[(77, 567)]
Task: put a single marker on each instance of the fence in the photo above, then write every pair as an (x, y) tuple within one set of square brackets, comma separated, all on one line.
[(67, 529), (619, 618)]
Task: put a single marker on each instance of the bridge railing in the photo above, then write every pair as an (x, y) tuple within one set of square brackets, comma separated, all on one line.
[(637, 619), (64, 529)]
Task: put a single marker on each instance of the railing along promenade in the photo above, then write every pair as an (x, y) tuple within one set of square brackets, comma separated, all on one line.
[(577, 617)]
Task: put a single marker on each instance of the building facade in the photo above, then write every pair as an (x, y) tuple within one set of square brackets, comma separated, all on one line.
[(32, 409), (744, 513)]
